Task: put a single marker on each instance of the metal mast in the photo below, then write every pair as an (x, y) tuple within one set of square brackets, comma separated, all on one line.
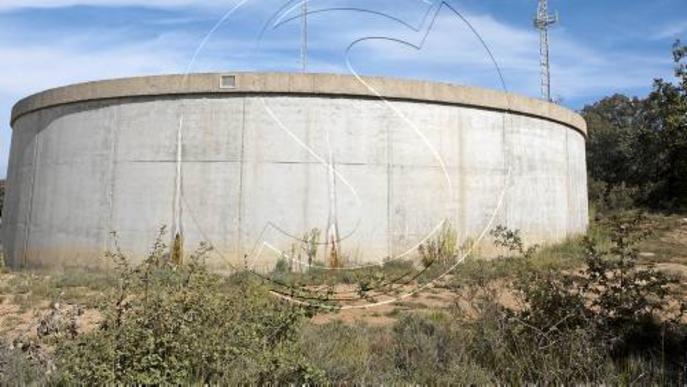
[(542, 22), (304, 37)]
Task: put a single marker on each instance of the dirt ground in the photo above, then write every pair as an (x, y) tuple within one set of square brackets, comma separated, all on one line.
[(667, 250), (21, 311), (385, 309)]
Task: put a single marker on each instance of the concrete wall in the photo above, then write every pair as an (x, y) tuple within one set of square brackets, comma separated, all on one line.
[(254, 175)]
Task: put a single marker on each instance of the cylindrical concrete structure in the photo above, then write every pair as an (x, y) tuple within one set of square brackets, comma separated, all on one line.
[(250, 162)]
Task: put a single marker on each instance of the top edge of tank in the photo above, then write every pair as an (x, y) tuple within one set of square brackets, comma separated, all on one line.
[(300, 84)]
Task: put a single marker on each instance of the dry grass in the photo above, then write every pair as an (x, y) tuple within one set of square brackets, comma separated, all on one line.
[(25, 297)]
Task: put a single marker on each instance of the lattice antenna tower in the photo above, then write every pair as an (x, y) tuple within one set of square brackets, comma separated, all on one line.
[(304, 36), (542, 22)]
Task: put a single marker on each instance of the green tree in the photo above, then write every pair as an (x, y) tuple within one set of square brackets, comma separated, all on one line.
[(613, 123), (637, 148), (666, 115)]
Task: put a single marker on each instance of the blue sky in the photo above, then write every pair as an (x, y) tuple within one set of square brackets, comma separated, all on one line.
[(600, 47)]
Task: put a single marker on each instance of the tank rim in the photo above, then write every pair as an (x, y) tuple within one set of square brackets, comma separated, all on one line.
[(299, 84)]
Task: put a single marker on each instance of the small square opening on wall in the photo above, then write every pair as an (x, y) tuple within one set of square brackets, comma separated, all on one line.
[(227, 81)]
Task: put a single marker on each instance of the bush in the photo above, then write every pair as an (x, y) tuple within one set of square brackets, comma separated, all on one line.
[(613, 322), (432, 350), (618, 311), (518, 352), (637, 310), (349, 354), (442, 249), (424, 350), (19, 367), (178, 324), (617, 198)]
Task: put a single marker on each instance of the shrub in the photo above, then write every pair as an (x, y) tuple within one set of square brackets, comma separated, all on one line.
[(442, 249), (637, 310), (609, 198), (349, 354), (20, 366), (283, 266), (432, 350), (512, 241), (417, 349), (614, 322), (518, 352), (174, 324), (619, 311)]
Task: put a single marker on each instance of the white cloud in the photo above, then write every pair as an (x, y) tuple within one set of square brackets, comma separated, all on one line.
[(28, 71), (452, 53), (672, 31), (7, 5), (31, 68)]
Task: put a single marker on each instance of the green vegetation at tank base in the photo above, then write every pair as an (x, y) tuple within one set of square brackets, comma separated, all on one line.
[(598, 315), (168, 323), (612, 321), (438, 257), (74, 286)]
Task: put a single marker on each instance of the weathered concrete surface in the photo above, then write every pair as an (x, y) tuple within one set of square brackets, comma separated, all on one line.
[(306, 84), (89, 160)]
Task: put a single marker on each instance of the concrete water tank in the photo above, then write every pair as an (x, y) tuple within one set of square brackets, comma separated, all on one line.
[(251, 162)]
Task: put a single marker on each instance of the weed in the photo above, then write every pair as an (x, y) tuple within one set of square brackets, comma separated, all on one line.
[(19, 369), (442, 249), (611, 320)]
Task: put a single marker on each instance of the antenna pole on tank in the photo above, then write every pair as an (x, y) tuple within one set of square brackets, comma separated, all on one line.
[(304, 37), (542, 22)]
